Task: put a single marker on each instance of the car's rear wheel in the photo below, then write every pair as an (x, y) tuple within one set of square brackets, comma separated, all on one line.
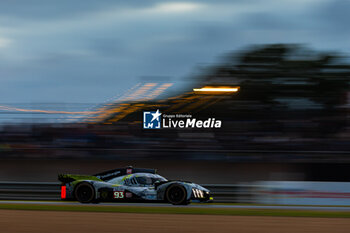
[(85, 193), (176, 194)]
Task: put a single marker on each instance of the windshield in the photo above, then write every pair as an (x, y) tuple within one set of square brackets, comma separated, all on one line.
[(145, 180)]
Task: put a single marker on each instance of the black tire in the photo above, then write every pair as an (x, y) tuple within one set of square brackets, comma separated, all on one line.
[(176, 194), (84, 193)]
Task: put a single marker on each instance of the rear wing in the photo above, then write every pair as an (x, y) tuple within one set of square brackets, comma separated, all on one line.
[(68, 178), (107, 175), (104, 176)]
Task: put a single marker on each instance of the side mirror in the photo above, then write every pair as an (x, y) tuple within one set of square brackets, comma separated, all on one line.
[(156, 184)]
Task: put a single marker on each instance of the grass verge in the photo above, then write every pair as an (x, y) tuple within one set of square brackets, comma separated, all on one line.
[(180, 210)]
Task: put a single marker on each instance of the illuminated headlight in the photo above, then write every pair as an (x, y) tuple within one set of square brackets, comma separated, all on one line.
[(194, 192), (198, 193)]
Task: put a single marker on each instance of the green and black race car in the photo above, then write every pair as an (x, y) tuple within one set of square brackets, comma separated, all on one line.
[(129, 185)]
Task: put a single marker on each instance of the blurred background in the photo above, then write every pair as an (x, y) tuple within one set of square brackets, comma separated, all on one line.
[(76, 78)]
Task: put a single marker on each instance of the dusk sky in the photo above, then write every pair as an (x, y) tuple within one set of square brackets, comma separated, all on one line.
[(88, 51)]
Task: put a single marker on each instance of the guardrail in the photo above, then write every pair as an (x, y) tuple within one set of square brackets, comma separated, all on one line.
[(29, 190), (51, 191), (239, 193)]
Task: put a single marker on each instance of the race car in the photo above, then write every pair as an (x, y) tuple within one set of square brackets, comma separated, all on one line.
[(130, 185)]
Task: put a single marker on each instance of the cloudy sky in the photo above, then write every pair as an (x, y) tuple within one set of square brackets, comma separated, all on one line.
[(90, 50)]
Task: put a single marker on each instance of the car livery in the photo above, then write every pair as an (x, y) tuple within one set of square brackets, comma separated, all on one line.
[(129, 185)]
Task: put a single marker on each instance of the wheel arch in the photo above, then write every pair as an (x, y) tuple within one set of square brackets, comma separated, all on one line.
[(88, 182), (161, 192), (184, 186)]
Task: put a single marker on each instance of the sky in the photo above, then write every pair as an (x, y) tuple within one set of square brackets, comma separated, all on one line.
[(88, 51)]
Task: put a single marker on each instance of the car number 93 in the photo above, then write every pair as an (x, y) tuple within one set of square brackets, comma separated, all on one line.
[(118, 194)]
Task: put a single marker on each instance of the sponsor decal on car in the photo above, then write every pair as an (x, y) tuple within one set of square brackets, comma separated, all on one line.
[(128, 195), (107, 175)]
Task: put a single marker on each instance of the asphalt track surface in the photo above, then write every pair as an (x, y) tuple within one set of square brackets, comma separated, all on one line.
[(20, 221), (234, 206)]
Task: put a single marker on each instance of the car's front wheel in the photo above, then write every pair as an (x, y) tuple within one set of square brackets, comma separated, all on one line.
[(85, 192), (176, 194)]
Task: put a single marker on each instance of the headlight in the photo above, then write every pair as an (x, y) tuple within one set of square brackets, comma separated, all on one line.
[(194, 191), (201, 193), (197, 193)]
